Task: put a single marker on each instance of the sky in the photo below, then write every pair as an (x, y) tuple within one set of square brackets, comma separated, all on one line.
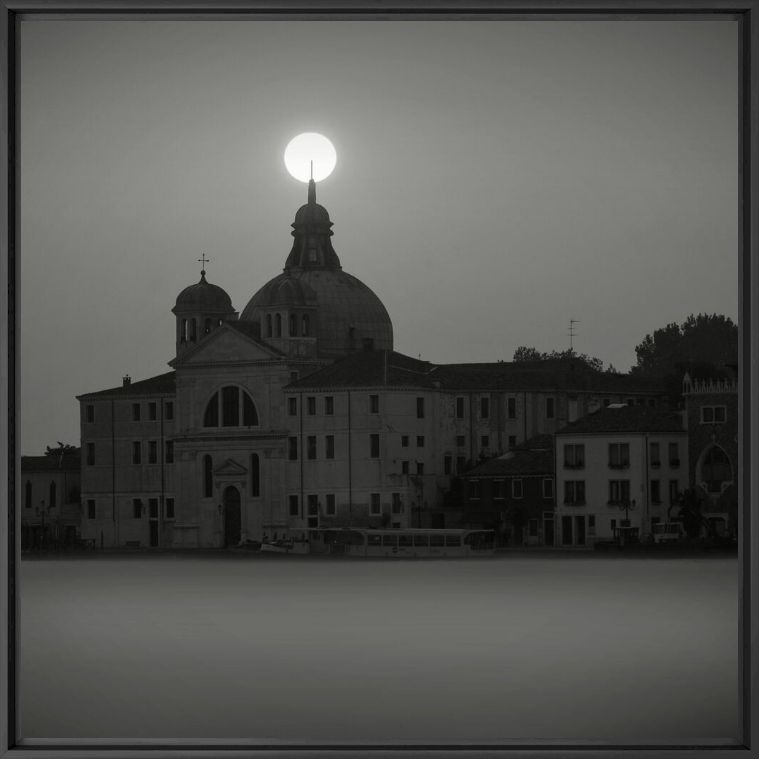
[(494, 180)]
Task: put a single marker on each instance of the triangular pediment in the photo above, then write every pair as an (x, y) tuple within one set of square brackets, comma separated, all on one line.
[(226, 345), (230, 467)]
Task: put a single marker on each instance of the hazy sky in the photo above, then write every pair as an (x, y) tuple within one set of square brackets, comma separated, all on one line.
[(494, 180)]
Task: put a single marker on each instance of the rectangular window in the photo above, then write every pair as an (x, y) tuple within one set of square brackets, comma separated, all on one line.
[(169, 410), (375, 506), (404, 467), (674, 455), (136, 508), (574, 491), (152, 411), (374, 404), (329, 405), (459, 408), (533, 528), (311, 405), (619, 455), (374, 447), (294, 376), (135, 412), (574, 456), (152, 452), (420, 408), (91, 510), (460, 441), (420, 441), (169, 508), (292, 448), (517, 488), (330, 509), (484, 407), (713, 414), (169, 451), (89, 414), (136, 452), (396, 507), (474, 490), (447, 464), (674, 491), (591, 524), (511, 408), (90, 453), (550, 408), (485, 441), (311, 447), (499, 490), (404, 441), (655, 491), (292, 406), (153, 508), (329, 447), (720, 414), (230, 406), (312, 505), (547, 488), (293, 509), (512, 441), (619, 491), (655, 455), (420, 467), (460, 464)]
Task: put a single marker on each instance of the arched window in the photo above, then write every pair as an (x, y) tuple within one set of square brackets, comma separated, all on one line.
[(28, 495), (268, 325), (255, 475), (53, 493), (304, 325), (207, 476), (207, 327), (278, 325), (715, 469), (183, 331), (193, 330), (233, 406), (293, 331)]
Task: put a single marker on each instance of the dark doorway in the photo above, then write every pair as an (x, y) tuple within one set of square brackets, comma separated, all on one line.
[(566, 531), (153, 514), (548, 532), (232, 517), (580, 530)]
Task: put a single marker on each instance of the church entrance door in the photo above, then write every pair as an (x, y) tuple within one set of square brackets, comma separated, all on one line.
[(232, 517)]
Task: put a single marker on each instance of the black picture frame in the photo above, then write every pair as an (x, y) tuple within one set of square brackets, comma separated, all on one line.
[(747, 11)]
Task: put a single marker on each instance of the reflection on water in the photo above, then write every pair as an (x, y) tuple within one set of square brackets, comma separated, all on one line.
[(524, 648)]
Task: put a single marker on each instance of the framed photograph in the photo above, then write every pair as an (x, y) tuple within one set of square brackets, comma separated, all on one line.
[(379, 378)]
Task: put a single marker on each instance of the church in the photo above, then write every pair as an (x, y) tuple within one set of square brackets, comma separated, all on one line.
[(296, 414)]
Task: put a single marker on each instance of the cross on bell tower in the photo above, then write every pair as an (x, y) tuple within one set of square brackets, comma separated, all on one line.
[(203, 261)]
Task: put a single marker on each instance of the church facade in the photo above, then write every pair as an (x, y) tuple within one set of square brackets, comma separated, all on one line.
[(296, 414)]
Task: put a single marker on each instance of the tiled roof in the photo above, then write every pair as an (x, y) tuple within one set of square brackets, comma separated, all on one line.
[(367, 369), (633, 419), (69, 462), (534, 456), (160, 385), (370, 368)]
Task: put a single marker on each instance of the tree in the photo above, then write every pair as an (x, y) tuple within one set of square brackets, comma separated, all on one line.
[(61, 449), (701, 345), (525, 353)]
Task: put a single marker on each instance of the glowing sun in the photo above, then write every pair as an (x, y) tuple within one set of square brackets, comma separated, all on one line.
[(304, 149)]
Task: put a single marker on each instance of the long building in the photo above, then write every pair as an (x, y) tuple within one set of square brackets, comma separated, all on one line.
[(297, 413)]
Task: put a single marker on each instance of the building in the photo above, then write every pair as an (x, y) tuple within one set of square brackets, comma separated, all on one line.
[(620, 467), (513, 494), (711, 407), (296, 413), (50, 501)]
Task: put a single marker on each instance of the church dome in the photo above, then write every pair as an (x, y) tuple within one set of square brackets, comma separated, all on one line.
[(347, 313), (203, 297)]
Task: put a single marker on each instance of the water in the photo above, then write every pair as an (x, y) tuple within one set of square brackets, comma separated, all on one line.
[(520, 647)]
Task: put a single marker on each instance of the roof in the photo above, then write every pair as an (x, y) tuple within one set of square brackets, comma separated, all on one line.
[(630, 419), (70, 461), (162, 384), (370, 368), (534, 456), (367, 369), (252, 330)]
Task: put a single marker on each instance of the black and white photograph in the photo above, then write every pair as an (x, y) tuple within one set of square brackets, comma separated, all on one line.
[(380, 380)]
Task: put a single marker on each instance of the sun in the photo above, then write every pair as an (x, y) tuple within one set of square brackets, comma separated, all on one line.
[(308, 147)]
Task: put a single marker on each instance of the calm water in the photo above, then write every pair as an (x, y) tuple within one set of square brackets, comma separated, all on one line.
[(528, 648)]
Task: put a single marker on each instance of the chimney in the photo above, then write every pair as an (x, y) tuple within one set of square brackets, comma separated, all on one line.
[(126, 380)]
